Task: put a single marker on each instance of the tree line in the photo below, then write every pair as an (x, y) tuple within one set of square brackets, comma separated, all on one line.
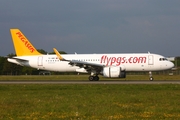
[(7, 68)]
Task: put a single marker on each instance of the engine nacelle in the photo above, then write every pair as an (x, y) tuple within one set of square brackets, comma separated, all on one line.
[(114, 72)]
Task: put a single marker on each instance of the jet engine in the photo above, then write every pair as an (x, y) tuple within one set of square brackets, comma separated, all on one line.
[(114, 72)]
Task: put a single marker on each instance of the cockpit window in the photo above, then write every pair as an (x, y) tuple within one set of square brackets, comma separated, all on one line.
[(163, 59)]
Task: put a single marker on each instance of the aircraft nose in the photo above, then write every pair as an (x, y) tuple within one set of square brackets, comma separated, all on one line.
[(171, 65)]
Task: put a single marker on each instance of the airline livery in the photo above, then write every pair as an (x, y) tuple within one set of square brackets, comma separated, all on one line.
[(107, 65)]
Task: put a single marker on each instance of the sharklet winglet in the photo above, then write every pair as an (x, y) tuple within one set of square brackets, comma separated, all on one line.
[(58, 54)]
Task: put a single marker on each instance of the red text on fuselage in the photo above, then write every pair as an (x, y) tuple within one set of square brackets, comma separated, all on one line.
[(121, 60)]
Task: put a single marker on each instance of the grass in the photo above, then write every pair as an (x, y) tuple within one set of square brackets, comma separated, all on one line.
[(85, 77), (89, 102)]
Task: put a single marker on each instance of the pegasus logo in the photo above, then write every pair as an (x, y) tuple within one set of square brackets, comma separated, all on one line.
[(26, 42)]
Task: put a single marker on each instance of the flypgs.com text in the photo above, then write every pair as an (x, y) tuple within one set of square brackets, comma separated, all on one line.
[(26, 43), (121, 60)]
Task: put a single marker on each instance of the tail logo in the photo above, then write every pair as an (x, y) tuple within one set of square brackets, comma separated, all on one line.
[(26, 42)]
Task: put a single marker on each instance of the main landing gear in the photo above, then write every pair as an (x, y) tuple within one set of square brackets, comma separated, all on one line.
[(93, 78), (150, 76)]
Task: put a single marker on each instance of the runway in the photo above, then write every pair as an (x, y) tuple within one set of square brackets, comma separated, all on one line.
[(89, 82)]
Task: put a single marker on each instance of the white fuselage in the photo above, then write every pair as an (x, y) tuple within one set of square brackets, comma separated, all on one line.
[(130, 62)]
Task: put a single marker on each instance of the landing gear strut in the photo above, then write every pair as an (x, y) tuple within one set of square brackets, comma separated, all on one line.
[(150, 76), (93, 78)]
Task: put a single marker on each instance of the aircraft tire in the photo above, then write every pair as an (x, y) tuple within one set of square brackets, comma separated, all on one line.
[(96, 78), (91, 78), (151, 78)]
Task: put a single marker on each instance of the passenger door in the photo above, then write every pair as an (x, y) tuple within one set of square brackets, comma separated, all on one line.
[(150, 60), (40, 61)]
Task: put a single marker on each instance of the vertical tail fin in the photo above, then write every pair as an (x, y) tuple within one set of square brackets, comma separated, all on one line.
[(22, 45)]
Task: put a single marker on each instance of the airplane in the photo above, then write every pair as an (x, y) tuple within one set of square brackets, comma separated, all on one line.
[(107, 65)]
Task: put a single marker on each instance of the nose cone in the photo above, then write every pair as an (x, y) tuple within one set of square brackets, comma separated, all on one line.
[(170, 65)]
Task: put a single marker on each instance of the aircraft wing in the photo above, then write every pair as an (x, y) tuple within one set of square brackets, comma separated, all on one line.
[(86, 65)]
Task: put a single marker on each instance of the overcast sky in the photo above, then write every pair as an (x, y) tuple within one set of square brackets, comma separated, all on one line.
[(93, 26)]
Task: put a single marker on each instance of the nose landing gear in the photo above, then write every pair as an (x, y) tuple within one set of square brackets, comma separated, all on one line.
[(150, 76)]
